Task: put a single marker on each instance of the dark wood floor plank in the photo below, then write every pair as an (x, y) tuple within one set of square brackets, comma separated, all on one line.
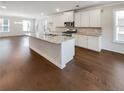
[(24, 69)]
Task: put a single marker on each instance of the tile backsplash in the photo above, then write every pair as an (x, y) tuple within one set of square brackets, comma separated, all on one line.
[(84, 30)]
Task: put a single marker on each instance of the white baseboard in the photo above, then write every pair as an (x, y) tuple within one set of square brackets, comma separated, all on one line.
[(117, 51)]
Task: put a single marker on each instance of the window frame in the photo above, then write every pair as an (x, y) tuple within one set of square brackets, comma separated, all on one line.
[(114, 26), (5, 25)]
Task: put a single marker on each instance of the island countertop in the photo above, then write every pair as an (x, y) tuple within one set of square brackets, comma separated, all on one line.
[(57, 39)]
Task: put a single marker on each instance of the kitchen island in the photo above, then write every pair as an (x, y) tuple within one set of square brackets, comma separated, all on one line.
[(57, 49)]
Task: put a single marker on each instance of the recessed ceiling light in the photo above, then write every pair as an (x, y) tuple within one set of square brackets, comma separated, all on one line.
[(3, 7), (57, 10), (41, 14)]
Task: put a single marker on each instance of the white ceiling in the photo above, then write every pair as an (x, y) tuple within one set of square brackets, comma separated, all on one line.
[(35, 8)]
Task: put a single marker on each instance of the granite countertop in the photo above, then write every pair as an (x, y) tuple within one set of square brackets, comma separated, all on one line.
[(54, 38), (89, 34), (81, 33)]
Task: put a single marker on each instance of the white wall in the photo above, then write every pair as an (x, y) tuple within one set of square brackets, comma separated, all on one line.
[(15, 29), (107, 28)]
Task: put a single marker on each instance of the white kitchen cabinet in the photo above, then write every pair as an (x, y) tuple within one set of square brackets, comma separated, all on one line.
[(95, 18), (59, 20), (64, 17), (82, 41), (90, 18), (85, 19), (94, 43), (68, 16), (77, 19), (89, 42)]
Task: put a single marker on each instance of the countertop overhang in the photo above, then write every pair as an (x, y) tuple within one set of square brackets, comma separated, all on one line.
[(57, 39)]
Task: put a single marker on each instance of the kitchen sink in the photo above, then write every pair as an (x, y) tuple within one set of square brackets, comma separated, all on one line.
[(51, 34)]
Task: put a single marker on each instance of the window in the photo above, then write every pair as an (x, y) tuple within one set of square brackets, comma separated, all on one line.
[(4, 25), (26, 25), (119, 26)]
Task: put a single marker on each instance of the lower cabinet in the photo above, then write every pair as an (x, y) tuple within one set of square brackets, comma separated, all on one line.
[(89, 42), (94, 43), (82, 41)]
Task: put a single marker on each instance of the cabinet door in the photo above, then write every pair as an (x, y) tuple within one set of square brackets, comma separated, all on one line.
[(94, 43), (78, 19), (59, 20), (82, 41), (85, 19), (95, 18), (68, 16)]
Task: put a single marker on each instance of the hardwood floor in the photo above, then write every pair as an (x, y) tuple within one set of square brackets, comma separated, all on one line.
[(23, 69)]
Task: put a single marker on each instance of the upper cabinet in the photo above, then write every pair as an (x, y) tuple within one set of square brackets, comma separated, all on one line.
[(59, 20), (77, 19), (85, 19), (90, 18), (68, 16), (64, 17), (95, 18)]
